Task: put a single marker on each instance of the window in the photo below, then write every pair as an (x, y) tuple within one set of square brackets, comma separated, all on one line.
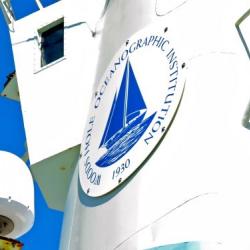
[(52, 43)]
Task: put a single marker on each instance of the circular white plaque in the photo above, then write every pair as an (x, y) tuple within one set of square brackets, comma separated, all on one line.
[(131, 110)]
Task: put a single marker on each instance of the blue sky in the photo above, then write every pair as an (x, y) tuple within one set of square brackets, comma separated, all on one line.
[(45, 233)]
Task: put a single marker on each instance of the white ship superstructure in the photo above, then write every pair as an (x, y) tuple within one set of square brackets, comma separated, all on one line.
[(184, 183)]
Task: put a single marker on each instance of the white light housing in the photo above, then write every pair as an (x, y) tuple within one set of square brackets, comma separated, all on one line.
[(16, 196)]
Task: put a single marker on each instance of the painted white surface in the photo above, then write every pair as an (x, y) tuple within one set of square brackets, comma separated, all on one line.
[(205, 152), (55, 98), (200, 154), (163, 7), (90, 11), (122, 19), (16, 193)]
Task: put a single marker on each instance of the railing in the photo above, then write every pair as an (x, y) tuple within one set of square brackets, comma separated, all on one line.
[(242, 37)]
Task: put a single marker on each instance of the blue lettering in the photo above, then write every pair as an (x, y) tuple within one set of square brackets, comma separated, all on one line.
[(139, 45), (162, 46), (156, 126), (148, 138), (106, 81), (88, 137), (145, 42), (172, 65), (89, 173), (124, 55), (151, 39), (111, 73), (132, 48), (97, 102), (168, 97), (117, 63), (172, 59), (98, 180), (120, 169), (92, 177), (102, 90), (157, 41)]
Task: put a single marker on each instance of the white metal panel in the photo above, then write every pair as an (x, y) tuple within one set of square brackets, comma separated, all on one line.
[(16, 193), (204, 152), (122, 19), (198, 156), (55, 98), (88, 11), (165, 7)]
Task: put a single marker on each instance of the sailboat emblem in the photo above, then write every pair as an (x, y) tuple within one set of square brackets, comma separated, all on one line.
[(126, 123), (132, 108)]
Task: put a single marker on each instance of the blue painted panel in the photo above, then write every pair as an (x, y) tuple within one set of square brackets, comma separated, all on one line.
[(12, 135)]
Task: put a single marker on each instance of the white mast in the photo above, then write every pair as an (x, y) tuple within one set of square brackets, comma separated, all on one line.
[(184, 191)]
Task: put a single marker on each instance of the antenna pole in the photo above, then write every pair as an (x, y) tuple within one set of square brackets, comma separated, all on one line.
[(6, 7), (39, 4)]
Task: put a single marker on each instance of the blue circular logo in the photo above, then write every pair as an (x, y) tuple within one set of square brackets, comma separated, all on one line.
[(131, 109)]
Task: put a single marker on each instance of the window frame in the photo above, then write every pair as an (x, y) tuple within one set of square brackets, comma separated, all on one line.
[(38, 47)]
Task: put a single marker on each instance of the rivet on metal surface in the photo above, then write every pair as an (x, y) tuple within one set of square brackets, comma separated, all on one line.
[(166, 29)]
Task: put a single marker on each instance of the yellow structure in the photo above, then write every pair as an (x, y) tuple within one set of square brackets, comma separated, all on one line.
[(8, 244)]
